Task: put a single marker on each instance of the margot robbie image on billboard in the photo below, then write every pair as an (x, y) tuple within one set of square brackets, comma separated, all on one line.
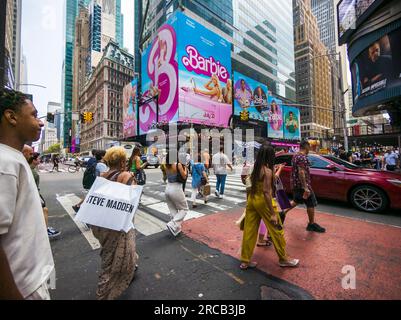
[(292, 123), (205, 86), (160, 78), (275, 118), (130, 92), (250, 97)]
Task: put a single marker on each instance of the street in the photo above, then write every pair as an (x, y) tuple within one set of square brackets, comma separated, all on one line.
[(203, 262)]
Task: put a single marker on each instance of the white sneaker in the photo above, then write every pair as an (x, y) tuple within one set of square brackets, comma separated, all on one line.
[(217, 194), (220, 196), (172, 230)]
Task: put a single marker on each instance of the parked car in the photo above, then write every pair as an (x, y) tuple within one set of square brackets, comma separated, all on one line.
[(332, 178), (152, 160)]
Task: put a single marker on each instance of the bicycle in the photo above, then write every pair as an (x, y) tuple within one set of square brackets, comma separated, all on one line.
[(72, 168)]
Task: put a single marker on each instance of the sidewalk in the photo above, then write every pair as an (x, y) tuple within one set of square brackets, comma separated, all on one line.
[(373, 249)]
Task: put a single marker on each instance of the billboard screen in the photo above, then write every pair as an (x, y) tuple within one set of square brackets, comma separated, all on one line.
[(250, 97), (376, 72), (350, 15), (160, 77), (130, 93), (292, 123), (275, 118), (204, 63)]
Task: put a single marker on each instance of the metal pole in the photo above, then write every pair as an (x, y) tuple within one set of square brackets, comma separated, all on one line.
[(3, 9), (344, 111), (157, 109)]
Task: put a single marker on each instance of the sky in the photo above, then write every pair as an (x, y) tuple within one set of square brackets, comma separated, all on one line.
[(43, 41)]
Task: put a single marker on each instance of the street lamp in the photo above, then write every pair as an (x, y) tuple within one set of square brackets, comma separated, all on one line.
[(30, 84)]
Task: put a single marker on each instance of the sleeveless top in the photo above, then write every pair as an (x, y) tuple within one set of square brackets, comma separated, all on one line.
[(173, 177), (113, 176)]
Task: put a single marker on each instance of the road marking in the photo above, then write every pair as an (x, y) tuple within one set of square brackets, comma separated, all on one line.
[(147, 224), (162, 207), (67, 202)]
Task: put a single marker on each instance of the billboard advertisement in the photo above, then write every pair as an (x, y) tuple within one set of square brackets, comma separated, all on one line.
[(351, 14), (250, 98), (274, 116), (204, 64), (130, 93), (160, 78), (376, 71), (292, 123)]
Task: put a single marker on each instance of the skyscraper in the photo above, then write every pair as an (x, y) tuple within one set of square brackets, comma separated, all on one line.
[(105, 25), (313, 73)]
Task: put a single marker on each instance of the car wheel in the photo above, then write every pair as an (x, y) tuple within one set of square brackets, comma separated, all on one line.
[(368, 198), (156, 166)]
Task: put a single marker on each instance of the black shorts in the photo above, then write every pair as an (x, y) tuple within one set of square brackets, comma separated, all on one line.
[(311, 202)]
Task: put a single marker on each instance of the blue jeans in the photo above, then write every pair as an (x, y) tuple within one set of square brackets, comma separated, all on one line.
[(221, 182)]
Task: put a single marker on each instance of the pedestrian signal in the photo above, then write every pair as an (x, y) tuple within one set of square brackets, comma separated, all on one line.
[(50, 117)]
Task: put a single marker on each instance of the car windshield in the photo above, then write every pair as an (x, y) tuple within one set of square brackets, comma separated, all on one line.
[(341, 162)]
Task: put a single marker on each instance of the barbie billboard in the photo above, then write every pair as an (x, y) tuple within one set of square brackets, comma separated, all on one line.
[(189, 68), (160, 78), (205, 86), (130, 92), (275, 118)]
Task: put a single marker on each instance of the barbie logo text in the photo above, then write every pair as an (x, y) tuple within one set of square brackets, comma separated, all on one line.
[(201, 65)]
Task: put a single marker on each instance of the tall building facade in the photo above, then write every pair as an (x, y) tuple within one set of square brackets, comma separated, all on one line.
[(71, 13), (13, 43), (105, 24), (103, 96), (313, 73), (325, 12), (261, 33)]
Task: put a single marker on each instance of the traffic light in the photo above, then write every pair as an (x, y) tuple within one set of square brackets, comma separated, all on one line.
[(50, 117), (87, 117)]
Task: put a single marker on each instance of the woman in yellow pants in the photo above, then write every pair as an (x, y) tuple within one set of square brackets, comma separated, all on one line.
[(260, 206)]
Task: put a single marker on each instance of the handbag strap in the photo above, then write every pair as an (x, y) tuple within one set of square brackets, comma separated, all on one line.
[(113, 176), (129, 182)]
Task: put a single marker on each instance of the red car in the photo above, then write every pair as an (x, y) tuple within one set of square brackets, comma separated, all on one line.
[(332, 178)]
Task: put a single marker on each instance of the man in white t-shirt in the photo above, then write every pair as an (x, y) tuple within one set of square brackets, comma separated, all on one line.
[(26, 260), (220, 163)]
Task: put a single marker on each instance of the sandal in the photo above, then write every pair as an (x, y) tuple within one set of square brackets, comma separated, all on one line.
[(264, 244), (245, 266)]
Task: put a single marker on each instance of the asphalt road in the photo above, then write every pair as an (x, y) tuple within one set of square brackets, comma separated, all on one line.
[(164, 261)]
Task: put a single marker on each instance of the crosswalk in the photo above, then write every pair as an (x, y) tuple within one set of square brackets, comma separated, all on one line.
[(153, 212)]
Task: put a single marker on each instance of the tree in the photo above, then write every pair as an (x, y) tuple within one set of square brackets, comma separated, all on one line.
[(55, 148)]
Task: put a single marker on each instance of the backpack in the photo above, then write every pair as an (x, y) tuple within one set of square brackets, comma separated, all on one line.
[(89, 176)]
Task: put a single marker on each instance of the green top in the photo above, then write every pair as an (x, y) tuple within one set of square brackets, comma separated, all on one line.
[(36, 177), (133, 167)]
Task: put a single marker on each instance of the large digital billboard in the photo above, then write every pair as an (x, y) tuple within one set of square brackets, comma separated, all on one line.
[(250, 98), (204, 63), (130, 93), (274, 116), (160, 78), (292, 123), (376, 71), (189, 68), (351, 13)]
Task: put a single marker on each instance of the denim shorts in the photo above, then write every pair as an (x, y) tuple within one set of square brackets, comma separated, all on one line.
[(310, 202)]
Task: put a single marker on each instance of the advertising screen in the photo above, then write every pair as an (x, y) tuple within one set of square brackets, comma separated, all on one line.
[(377, 69), (350, 13), (130, 93), (160, 78), (250, 98), (274, 118), (204, 63), (292, 123)]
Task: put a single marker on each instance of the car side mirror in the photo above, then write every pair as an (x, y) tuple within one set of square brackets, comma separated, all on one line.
[(332, 167)]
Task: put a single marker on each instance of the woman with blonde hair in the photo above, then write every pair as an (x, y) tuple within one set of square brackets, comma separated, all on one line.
[(212, 90), (228, 92), (118, 253)]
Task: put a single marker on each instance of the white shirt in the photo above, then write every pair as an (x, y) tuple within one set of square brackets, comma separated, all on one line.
[(100, 168), (22, 225), (220, 162)]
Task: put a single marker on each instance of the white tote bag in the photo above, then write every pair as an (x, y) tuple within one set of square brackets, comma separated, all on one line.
[(111, 205)]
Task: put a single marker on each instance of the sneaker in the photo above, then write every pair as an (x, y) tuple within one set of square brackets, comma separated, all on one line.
[(217, 194), (172, 231), (289, 263), (75, 208), (220, 196), (314, 227), (52, 233)]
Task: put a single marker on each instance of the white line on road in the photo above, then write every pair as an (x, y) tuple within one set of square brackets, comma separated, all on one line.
[(67, 202)]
